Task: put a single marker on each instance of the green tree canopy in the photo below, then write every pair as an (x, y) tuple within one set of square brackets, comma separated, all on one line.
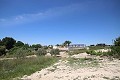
[(19, 44), (8, 42), (26, 46), (36, 46), (67, 43), (117, 41), (115, 49)]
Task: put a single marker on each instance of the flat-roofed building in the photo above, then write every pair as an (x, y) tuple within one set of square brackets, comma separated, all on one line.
[(76, 46)]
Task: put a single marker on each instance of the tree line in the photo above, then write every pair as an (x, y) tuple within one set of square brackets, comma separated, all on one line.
[(11, 46), (7, 43)]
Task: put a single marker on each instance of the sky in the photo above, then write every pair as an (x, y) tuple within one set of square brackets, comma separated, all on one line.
[(50, 22)]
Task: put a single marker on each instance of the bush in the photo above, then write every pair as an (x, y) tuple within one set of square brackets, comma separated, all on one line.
[(77, 51), (92, 52), (55, 52), (41, 52), (8, 42), (107, 53), (2, 50), (20, 53), (116, 51), (97, 47), (13, 50)]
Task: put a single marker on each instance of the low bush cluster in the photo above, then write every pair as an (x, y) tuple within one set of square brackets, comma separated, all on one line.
[(19, 52), (77, 51), (116, 51), (55, 52), (41, 52), (2, 50), (92, 52)]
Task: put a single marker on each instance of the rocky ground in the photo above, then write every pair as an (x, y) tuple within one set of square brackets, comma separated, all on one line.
[(79, 67)]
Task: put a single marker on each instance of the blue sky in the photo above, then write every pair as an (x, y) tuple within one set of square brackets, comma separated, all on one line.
[(54, 21)]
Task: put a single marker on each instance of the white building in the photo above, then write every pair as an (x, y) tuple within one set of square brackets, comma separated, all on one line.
[(77, 46)]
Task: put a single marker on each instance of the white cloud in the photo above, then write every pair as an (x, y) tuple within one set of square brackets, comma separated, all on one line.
[(19, 18), (50, 13)]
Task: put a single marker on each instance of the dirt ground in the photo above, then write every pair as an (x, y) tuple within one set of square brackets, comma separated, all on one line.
[(105, 69)]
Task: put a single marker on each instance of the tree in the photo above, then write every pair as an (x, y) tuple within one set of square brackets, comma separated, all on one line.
[(45, 47), (102, 44), (8, 42), (26, 46), (57, 45), (117, 41), (19, 44), (67, 43), (115, 49), (36, 46), (92, 45)]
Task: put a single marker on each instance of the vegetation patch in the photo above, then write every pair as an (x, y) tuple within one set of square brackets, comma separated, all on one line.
[(98, 47), (10, 69), (77, 51), (92, 52), (41, 52), (83, 62), (55, 52)]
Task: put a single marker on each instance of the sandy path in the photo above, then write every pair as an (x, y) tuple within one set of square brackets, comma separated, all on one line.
[(61, 71)]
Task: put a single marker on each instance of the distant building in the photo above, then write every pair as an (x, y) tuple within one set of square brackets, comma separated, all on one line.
[(76, 46), (70, 47), (60, 48)]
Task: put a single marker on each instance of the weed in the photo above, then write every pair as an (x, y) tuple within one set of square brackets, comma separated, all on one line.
[(82, 62), (77, 51), (10, 69)]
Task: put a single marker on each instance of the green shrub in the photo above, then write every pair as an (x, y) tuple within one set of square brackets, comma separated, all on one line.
[(77, 51), (116, 51), (55, 52), (13, 51), (2, 50), (97, 47), (109, 53), (41, 52), (92, 52), (20, 53)]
